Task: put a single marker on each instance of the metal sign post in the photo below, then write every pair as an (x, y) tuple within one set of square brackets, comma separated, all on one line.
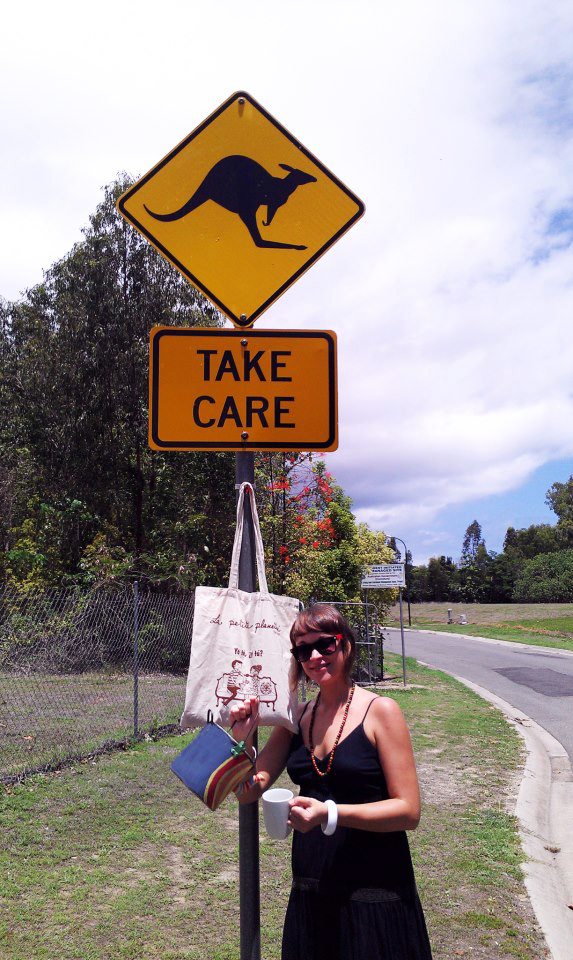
[(249, 886), (402, 633), (242, 209)]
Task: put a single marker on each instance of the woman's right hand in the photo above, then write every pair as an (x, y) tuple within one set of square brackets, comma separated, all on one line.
[(244, 718)]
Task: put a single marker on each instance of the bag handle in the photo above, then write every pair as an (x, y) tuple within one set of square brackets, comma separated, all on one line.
[(259, 552)]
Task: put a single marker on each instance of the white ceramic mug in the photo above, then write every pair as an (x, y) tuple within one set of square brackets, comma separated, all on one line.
[(276, 810)]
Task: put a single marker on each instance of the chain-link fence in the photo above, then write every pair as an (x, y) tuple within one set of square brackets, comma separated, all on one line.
[(366, 620), (81, 670)]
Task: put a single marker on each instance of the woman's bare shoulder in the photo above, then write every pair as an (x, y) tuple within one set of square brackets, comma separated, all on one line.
[(385, 712)]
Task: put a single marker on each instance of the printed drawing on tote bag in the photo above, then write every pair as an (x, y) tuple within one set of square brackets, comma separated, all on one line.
[(241, 644)]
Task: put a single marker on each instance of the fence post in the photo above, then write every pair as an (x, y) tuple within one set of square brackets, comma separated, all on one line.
[(135, 659)]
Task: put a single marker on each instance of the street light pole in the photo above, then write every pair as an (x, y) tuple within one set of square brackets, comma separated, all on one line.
[(405, 573)]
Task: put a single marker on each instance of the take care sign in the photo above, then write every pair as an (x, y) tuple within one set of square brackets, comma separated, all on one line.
[(242, 390)]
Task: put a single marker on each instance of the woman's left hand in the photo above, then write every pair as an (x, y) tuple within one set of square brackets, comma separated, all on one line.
[(306, 813)]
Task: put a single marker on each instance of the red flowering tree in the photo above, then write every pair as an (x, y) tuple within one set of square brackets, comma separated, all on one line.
[(314, 547), (293, 494)]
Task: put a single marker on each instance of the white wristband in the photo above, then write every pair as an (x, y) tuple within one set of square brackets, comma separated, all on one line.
[(329, 827)]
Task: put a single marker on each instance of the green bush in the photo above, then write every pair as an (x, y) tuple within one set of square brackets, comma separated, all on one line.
[(547, 578)]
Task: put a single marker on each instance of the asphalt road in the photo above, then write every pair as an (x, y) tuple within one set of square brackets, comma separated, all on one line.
[(537, 681)]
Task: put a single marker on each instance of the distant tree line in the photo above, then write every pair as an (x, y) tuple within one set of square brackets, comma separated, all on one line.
[(83, 499), (536, 564)]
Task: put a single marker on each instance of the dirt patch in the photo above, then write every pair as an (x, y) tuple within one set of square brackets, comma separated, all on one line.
[(442, 783), (179, 873), (230, 875), (455, 785), (231, 824)]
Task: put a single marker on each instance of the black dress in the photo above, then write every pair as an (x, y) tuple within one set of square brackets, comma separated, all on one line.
[(353, 895)]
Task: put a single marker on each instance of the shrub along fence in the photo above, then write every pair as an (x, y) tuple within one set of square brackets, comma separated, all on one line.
[(81, 670)]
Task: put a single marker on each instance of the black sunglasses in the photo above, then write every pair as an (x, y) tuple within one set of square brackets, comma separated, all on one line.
[(323, 646)]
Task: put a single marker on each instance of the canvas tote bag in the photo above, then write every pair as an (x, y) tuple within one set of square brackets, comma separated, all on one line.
[(240, 646)]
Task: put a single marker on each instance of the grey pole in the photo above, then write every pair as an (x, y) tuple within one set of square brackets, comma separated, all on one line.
[(402, 632), (249, 882)]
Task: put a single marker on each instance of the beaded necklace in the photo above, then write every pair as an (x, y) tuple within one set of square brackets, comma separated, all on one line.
[(323, 773)]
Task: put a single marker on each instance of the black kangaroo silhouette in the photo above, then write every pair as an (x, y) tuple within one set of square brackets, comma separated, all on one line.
[(241, 185)]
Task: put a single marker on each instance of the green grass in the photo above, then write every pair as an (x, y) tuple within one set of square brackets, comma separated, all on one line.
[(546, 625), (520, 632), (488, 612), (113, 859), (562, 624)]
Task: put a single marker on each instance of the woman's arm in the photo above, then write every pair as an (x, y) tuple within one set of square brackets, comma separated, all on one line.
[(271, 760), (386, 724)]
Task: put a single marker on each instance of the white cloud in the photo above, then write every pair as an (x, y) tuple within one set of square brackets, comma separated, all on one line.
[(451, 299)]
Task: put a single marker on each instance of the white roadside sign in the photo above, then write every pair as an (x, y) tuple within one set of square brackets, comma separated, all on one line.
[(382, 576)]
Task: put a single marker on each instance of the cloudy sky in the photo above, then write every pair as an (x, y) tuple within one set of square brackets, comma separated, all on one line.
[(452, 298)]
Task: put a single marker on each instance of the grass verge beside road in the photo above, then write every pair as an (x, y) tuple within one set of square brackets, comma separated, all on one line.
[(113, 859), (545, 625)]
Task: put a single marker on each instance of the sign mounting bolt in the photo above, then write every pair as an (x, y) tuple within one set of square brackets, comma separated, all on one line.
[(244, 343), (241, 99), (244, 435), (243, 317)]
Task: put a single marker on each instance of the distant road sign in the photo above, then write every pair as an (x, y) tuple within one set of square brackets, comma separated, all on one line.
[(242, 390), (381, 576), (241, 208)]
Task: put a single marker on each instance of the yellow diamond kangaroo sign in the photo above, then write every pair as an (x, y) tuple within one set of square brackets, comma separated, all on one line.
[(241, 208)]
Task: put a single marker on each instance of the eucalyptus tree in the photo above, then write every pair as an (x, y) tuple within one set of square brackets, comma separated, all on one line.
[(560, 498), (78, 385)]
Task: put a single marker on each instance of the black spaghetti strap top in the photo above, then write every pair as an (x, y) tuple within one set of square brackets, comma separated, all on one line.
[(350, 859)]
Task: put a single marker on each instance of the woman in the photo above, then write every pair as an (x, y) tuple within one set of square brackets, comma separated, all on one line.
[(353, 895)]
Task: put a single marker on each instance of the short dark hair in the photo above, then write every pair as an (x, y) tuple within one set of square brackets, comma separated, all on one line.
[(325, 618)]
